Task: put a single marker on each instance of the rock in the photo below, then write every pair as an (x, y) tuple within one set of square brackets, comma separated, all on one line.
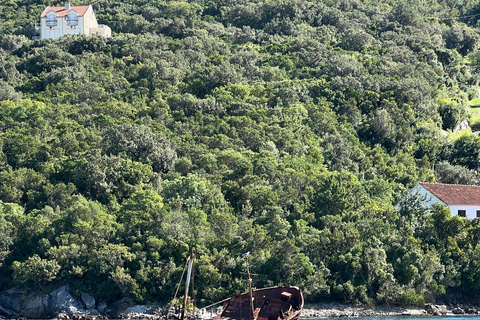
[(63, 316), (10, 301), (443, 309), (157, 310), (135, 309), (102, 307), (14, 303), (436, 310), (462, 125), (4, 312), (36, 306), (431, 309), (458, 310), (61, 301), (141, 312), (118, 307), (88, 300), (470, 310)]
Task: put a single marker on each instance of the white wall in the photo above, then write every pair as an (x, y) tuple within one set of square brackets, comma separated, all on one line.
[(471, 210), (431, 199)]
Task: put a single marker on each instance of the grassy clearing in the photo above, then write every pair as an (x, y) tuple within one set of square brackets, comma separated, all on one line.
[(474, 103), (452, 136), (474, 118)]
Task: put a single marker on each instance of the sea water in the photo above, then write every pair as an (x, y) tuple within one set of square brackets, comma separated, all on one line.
[(460, 317)]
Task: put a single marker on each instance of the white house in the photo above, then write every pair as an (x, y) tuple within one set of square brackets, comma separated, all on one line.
[(462, 200), (56, 22)]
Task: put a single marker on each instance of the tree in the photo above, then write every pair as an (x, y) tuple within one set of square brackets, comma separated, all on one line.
[(35, 270), (7, 92), (452, 114), (104, 177), (455, 174), (465, 40), (466, 151), (140, 143), (338, 193)]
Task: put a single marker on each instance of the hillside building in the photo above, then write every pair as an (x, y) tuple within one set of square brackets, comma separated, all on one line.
[(462, 200), (56, 22)]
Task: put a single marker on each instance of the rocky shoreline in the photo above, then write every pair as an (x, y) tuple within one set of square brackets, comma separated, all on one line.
[(338, 310), (60, 304)]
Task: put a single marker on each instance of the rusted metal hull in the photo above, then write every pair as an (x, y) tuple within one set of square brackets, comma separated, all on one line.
[(276, 303)]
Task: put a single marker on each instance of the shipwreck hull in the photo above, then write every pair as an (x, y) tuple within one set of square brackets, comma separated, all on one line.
[(276, 303)]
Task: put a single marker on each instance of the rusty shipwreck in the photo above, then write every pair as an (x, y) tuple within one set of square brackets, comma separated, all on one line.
[(275, 303)]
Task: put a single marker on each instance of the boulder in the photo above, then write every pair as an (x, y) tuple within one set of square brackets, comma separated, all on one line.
[(118, 307), (4, 312), (436, 310), (102, 307), (36, 306), (88, 300), (142, 312), (134, 309), (470, 310), (14, 303), (458, 310), (61, 301), (10, 302), (462, 125), (431, 309)]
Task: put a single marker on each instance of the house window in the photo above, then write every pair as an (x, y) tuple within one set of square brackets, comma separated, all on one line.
[(478, 213), (57, 33), (47, 34), (462, 213), (77, 31), (51, 20), (72, 20)]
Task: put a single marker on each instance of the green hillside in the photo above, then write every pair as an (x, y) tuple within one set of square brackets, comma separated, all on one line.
[(286, 128)]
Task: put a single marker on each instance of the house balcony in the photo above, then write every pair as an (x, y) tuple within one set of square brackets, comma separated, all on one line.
[(51, 23), (72, 22)]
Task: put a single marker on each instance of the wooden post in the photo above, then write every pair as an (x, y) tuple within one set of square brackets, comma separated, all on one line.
[(250, 287), (187, 284)]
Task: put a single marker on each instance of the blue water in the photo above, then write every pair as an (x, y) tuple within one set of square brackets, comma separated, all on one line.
[(462, 317)]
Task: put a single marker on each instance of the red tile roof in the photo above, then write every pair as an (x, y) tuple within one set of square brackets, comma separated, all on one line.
[(61, 12), (454, 193)]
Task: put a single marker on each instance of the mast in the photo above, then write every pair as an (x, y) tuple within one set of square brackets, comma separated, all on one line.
[(187, 284), (245, 255)]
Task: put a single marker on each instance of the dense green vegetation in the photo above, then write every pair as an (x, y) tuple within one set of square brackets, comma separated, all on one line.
[(286, 128)]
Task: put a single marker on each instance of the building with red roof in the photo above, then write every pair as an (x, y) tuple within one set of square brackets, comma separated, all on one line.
[(56, 22), (462, 200)]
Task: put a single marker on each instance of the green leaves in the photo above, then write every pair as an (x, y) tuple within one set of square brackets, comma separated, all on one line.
[(140, 144), (466, 151), (35, 270)]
